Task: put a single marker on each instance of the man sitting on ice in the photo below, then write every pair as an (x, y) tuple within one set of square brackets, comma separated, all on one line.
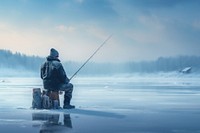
[(55, 79)]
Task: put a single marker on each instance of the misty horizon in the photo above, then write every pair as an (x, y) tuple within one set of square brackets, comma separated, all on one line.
[(15, 63), (92, 60)]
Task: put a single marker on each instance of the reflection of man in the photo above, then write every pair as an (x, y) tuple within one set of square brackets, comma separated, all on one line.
[(67, 120), (52, 123), (55, 79)]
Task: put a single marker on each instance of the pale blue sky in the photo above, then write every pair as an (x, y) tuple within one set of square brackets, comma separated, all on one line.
[(142, 29)]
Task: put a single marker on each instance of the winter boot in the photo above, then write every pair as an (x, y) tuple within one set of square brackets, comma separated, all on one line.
[(67, 100)]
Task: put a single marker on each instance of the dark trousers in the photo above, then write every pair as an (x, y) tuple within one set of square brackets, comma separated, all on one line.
[(68, 89)]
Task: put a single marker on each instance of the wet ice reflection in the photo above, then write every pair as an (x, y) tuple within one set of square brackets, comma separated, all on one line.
[(49, 123)]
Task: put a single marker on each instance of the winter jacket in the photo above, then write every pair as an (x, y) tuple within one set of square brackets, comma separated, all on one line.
[(53, 74)]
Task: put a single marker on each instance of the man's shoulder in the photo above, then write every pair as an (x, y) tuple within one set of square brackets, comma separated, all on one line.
[(56, 63)]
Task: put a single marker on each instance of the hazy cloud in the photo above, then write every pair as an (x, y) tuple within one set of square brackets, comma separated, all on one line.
[(64, 28)]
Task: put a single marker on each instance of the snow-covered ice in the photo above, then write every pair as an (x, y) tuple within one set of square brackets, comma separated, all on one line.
[(140, 103)]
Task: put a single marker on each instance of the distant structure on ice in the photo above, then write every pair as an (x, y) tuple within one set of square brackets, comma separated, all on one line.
[(186, 70)]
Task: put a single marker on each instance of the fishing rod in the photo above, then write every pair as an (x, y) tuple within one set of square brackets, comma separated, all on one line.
[(91, 56)]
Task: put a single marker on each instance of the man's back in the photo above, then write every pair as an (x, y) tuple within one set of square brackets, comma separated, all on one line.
[(52, 73)]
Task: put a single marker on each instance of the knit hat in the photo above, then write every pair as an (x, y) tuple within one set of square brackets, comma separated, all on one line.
[(54, 53)]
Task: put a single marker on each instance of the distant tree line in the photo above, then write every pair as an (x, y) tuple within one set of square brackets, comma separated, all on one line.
[(18, 61), (162, 64), (166, 64)]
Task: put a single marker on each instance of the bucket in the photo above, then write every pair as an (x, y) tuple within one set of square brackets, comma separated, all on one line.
[(37, 99)]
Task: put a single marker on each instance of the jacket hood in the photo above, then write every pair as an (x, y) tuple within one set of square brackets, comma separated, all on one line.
[(51, 58)]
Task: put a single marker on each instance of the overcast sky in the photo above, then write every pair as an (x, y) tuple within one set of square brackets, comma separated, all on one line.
[(142, 29)]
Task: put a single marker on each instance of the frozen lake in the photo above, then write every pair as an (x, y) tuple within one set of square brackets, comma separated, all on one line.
[(162, 103)]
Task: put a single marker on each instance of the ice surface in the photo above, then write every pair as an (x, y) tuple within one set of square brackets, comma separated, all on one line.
[(140, 103)]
